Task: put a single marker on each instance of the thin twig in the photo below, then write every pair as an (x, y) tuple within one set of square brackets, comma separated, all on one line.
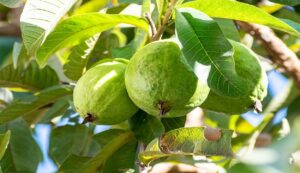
[(279, 52), (165, 21), (151, 23)]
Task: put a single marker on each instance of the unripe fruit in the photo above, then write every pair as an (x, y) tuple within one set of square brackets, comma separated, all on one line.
[(160, 82), (249, 68), (100, 94)]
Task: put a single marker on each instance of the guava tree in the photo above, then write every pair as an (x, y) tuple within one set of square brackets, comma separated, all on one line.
[(150, 85)]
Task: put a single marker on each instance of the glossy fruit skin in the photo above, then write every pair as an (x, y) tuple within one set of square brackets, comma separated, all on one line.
[(101, 93), (160, 82), (249, 68)]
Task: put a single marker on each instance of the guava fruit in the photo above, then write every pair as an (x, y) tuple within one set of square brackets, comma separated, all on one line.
[(249, 68), (100, 94), (160, 82)]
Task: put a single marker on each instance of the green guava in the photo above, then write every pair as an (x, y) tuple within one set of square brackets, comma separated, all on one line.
[(100, 94), (160, 82), (249, 68)]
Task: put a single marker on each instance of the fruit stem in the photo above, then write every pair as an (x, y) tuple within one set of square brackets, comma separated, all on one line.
[(165, 21), (151, 23)]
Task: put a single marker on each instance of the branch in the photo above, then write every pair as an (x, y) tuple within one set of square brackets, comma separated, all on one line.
[(277, 49), (165, 21), (151, 23), (10, 30)]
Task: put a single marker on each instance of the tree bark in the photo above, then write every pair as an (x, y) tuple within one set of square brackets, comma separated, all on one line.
[(279, 53)]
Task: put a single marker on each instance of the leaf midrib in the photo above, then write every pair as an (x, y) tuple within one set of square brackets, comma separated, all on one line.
[(229, 81)]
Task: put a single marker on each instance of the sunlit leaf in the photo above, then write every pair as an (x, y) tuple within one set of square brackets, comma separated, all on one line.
[(231, 9), (39, 18), (4, 141), (76, 62), (80, 27), (209, 49), (186, 141), (92, 6)]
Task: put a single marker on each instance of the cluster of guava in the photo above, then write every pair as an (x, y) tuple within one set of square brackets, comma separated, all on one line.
[(158, 80)]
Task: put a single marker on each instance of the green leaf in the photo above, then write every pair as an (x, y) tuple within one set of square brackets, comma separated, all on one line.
[(146, 127), (205, 45), (186, 141), (74, 29), (6, 96), (293, 110), (240, 166), (66, 140), (138, 41), (4, 141), (58, 108), (92, 6), (23, 153), (19, 55), (77, 61), (287, 2), (30, 78), (124, 153), (73, 163), (173, 123), (106, 152), (228, 28), (21, 108), (126, 158), (11, 3), (192, 141), (39, 18), (231, 9), (127, 51)]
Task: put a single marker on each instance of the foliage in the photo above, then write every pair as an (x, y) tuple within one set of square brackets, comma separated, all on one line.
[(201, 59)]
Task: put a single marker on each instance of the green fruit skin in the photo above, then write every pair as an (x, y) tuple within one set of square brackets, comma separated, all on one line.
[(249, 68), (158, 73), (101, 92)]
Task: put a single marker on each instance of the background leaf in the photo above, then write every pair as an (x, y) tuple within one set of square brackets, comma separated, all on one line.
[(99, 159), (4, 141), (30, 78), (91, 6), (74, 29), (231, 9), (173, 123), (146, 127), (39, 18), (67, 140), (11, 3), (21, 108), (287, 2), (77, 61), (23, 153)]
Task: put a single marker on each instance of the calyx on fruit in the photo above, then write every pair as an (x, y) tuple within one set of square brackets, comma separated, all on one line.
[(160, 82), (100, 94), (249, 68)]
